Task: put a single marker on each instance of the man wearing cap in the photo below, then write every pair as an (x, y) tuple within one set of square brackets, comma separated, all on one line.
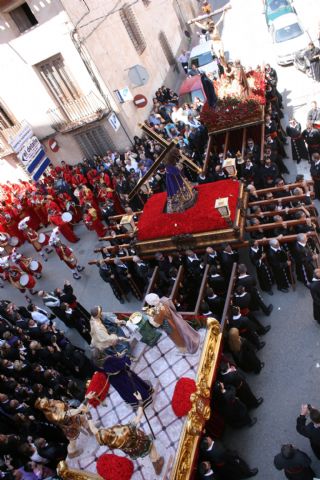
[(312, 429)]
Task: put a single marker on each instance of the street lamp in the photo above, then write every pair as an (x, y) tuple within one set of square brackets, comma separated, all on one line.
[(222, 205), (128, 223)]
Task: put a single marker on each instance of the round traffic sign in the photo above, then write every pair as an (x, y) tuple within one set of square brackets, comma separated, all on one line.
[(140, 100), (53, 145)]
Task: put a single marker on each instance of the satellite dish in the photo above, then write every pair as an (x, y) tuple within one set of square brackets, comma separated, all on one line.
[(138, 75)]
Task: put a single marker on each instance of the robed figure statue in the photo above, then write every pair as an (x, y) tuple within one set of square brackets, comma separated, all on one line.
[(162, 313), (180, 193)]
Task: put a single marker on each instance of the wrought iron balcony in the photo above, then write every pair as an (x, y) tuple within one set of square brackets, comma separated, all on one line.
[(77, 113), (5, 135)]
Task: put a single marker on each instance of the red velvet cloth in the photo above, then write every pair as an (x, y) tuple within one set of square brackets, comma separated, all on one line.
[(113, 467), (100, 385), (181, 403), (202, 217)]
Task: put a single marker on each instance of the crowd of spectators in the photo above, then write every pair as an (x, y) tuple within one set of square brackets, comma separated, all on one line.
[(36, 360)]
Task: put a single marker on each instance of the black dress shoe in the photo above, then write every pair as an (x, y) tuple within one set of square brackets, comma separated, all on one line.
[(252, 422), (253, 472), (269, 309), (270, 292), (284, 290), (262, 344), (259, 401), (266, 329)]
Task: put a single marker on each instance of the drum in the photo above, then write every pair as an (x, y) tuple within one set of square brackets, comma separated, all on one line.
[(27, 281), (35, 266), (66, 217), (14, 241), (42, 238)]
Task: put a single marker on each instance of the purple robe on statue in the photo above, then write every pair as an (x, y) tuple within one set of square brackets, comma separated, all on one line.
[(180, 194), (174, 181), (126, 382)]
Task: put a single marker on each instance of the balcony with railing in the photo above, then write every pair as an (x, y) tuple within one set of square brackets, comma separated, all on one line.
[(77, 113), (5, 136)]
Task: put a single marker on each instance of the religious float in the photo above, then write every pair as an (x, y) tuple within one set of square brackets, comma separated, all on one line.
[(208, 215)]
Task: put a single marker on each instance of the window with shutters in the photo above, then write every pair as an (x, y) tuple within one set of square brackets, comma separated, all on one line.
[(23, 17), (95, 141), (58, 80), (131, 24), (6, 120), (164, 42)]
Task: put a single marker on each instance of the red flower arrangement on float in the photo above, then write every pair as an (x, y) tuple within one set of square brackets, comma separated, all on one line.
[(113, 467), (231, 111), (202, 217), (181, 403)]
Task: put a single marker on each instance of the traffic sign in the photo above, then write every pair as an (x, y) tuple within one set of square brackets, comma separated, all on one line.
[(53, 145), (140, 100)]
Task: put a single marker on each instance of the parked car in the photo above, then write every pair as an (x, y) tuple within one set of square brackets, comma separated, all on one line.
[(288, 37), (204, 58), (275, 8)]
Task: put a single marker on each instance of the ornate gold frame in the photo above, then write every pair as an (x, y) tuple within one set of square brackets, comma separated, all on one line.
[(200, 411)]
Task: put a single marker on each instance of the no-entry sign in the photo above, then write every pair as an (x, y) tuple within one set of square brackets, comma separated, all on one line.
[(53, 145), (140, 100)]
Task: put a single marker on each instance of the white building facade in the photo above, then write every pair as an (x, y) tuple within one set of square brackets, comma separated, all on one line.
[(65, 69)]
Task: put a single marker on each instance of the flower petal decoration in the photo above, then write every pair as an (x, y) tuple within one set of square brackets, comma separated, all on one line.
[(113, 467), (181, 403), (202, 217)]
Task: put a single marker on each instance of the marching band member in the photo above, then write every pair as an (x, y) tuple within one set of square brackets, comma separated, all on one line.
[(18, 278), (39, 241), (36, 203), (27, 264), (9, 223), (68, 205), (78, 178), (4, 242), (92, 221), (55, 218), (86, 196), (65, 254)]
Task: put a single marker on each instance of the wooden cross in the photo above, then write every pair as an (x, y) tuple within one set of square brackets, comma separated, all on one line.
[(167, 148), (209, 15)]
